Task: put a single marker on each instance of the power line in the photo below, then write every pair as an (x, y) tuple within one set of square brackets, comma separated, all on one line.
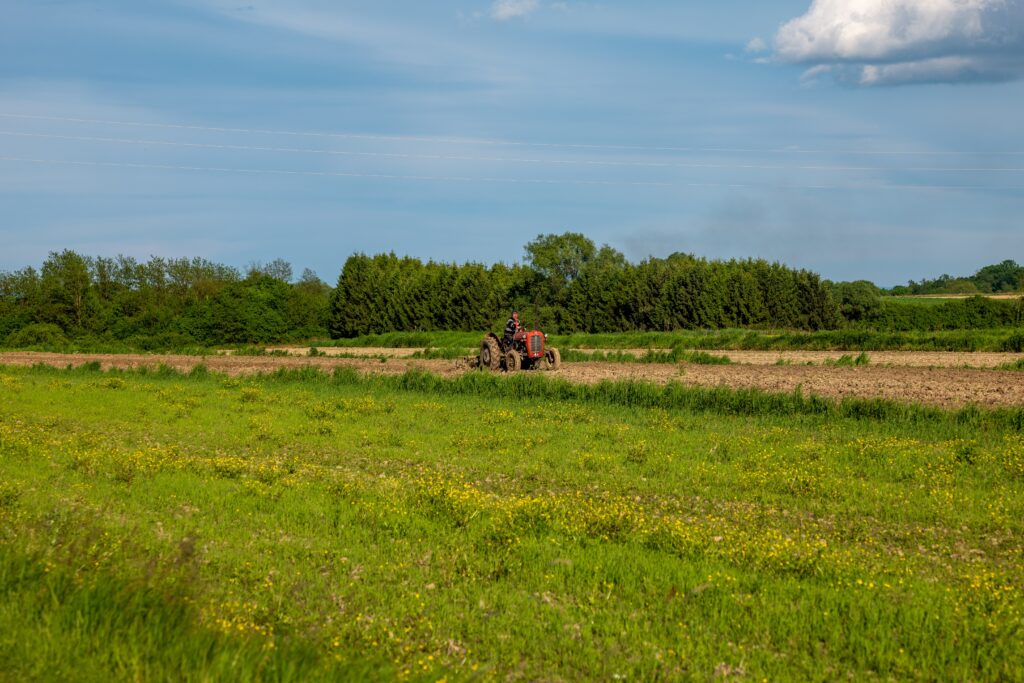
[(564, 162), (519, 181), (337, 174), (485, 141)]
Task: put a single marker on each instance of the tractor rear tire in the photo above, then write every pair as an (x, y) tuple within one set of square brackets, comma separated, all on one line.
[(513, 361), (490, 354), (554, 358)]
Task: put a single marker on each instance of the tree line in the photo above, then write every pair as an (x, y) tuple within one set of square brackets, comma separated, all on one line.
[(565, 284), (862, 304), (568, 284), (158, 304), (997, 278)]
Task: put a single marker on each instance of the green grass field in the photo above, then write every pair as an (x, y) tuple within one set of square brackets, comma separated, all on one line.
[(301, 527), (922, 300), (937, 299)]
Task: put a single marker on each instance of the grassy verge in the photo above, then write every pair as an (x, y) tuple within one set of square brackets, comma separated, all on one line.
[(1009, 339), (117, 348)]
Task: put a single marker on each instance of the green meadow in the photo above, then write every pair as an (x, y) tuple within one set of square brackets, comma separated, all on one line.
[(301, 526)]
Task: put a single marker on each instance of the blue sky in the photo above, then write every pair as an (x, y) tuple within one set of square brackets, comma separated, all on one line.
[(873, 139)]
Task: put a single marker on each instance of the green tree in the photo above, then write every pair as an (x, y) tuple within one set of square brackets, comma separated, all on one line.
[(859, 300), (1001, 277), (278, 269), (19, 300), (819, 310), (560, 258), (308, 306), (962, 286), (594, 298), (65, 287), (251, 311), (351, 306)]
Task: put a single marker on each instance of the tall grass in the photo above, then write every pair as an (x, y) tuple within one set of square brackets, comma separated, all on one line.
[(825, 340), (673, 396), (851, 339), (718, 400), (66, 620)]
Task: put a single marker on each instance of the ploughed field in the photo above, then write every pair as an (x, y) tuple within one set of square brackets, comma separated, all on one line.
[(903, 377), (923, 359), (303, 526)]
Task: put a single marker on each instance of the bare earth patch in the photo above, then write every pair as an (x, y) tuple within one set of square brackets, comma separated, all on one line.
[(948, 387)]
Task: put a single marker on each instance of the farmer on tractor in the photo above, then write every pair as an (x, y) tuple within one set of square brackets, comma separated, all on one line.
[(511, 327), (518, 349)]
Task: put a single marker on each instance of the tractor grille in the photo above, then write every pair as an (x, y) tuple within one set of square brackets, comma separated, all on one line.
[(536, 344)]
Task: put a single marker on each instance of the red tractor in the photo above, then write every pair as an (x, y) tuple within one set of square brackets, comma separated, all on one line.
[(526, 350)]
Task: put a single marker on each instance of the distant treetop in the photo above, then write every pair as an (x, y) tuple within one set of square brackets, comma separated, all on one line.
[(998, 278)]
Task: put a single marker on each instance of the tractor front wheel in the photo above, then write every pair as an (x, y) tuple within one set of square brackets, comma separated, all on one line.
[(554, 358), (513, 361), (490, 354)]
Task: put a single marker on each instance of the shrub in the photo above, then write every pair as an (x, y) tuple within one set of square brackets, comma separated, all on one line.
[(702, 358), (860, 300), (1014, 343), (163, 341), (45, 335), (847, 360)]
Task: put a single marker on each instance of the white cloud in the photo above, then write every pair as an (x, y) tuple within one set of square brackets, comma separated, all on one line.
[(890, 42), (503, 10), (810, 76), (939, 69), (756, 45)]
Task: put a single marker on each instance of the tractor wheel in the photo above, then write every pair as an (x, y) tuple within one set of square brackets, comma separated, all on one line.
[(554, 358), (513, 361), (490, 354)]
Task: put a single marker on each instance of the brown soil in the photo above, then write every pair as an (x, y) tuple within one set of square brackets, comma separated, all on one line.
[(920, 359), (948, 387), (368, 351), (923, 359)]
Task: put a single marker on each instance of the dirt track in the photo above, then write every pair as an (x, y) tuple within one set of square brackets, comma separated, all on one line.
[(949, 387)]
